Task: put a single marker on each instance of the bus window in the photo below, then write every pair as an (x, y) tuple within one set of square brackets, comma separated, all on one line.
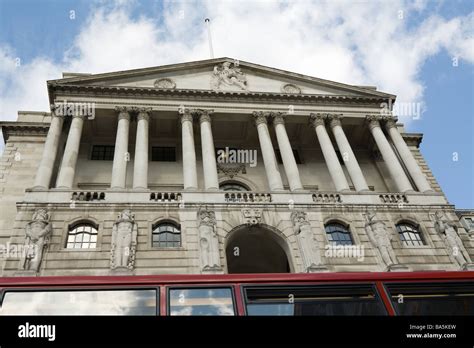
[(454, 298), (314, 300), (201, 301), (80, 302)]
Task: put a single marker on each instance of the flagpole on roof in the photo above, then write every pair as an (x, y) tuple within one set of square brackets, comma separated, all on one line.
[(208, 22)]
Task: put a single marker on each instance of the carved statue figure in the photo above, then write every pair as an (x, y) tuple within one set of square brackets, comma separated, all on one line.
[(209, 244), (229, 75), (37, 237), (124, 241), (449, 233), (380, 238), (311, 255)]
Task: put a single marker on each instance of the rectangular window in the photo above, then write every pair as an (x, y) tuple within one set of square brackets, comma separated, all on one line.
[(295, 154), (208, 301), (80, 302), (314, 300), (163, 154), (102, 152), (443, 298)]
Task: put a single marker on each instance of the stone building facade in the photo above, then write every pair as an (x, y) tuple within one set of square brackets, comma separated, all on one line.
[(220, 166)]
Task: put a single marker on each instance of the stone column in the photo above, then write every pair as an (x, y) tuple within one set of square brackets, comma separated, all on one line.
[(140, 169), (289, 162), (121, 154), (330, 156), (189, 154), (45, 170), (68, 164), (406, 155), (269, 159), (211, 181), (346, 151), (389, 157)]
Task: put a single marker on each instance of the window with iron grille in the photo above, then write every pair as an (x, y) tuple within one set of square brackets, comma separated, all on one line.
[(410, 234), (102, 152), (338, 234), (166, 235), (163, 154), (82, 236)]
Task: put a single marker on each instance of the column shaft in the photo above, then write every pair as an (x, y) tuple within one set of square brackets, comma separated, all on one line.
[(121, 154), (407, 157), (350, 160), (140, 169), (289, 162), (330, 156), (189, 154), (68, 164), (211, 181), (389, 157), (269, 159), (45, 170)]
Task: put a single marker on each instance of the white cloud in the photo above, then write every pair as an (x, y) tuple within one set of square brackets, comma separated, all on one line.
[(356, 43)]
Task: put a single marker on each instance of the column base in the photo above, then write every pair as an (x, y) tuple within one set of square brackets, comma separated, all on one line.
[(116, 188), (121, 271), (317, 269), (212, 270), (38, 188), (397, 268), (141, 189), (25, 273), (468, 267)]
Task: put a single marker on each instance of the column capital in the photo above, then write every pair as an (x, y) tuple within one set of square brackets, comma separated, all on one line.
[(186, 115), (390, 121), (143, 113), (373, 121), (335, 120), (123, 112), (278, 118), (317, 119), (203, 115), (260, 117), (53, 108)]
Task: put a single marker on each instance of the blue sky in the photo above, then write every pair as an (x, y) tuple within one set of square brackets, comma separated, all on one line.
[(403, 47)]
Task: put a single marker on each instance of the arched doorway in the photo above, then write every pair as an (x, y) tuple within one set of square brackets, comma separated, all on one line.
[(256, 249)]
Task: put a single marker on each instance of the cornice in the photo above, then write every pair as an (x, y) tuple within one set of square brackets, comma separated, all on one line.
[(23, 128), (412, 139), (149, 92)]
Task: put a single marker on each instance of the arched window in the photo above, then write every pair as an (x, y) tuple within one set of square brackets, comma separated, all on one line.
[(166, 235), (82, 235), (233, 186), (338, 234), (410, 234)]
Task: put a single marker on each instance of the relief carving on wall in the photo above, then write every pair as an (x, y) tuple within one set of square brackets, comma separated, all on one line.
[(252, 216), (449, 232), (124, 242), (208, 241), (381, 239), (290, 89), (228, 74), (165, 83), (37, 237), (309, 252)]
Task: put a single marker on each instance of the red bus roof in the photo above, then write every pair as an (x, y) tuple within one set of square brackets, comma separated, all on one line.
[(237, 278)]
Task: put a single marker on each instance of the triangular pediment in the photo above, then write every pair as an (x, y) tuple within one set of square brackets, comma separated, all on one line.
[(221, 74)]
